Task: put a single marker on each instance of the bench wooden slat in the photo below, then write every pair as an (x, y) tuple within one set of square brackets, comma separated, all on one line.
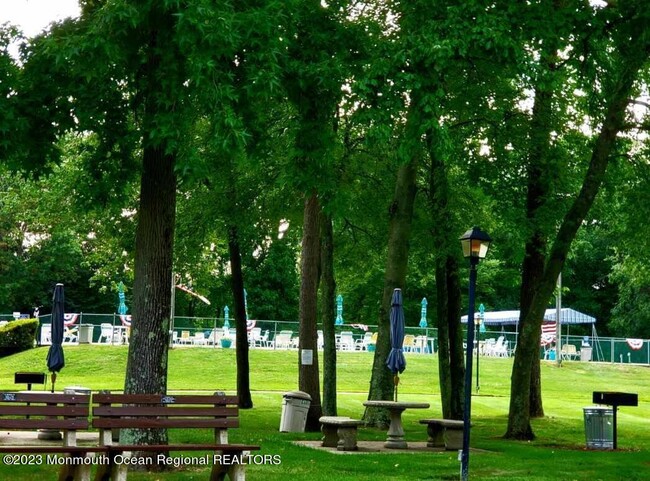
[(53, 449), (182, 447), (108, 423), (130, 410), (164, 399), (37, 410), (45, 423), (50, 398)]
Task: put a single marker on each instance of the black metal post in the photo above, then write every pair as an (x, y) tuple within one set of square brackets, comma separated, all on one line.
[(467, 409), (478, 354), (614, 433)]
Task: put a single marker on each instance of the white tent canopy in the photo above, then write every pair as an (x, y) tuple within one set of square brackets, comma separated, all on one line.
[(502, 318)]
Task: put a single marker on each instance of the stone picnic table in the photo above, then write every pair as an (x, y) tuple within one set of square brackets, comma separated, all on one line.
[(395, 438)]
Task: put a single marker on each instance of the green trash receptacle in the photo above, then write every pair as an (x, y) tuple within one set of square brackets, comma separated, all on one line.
[(599, 427), (295, 406)]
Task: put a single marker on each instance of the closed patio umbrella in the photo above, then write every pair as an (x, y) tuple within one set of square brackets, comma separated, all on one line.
[(122, 309), (339, 310), (423, 314), (55, 358), (226, 317), (396, 361)]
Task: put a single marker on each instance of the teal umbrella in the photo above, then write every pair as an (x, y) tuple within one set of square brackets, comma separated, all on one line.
[(481, 309), (120, 294), (423, 313), (226, 317), (339, 310)]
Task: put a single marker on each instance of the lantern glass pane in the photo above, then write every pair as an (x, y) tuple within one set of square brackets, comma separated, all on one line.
[(466, 250)]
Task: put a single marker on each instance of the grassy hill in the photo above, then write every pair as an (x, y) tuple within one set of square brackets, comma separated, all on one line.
[(558, 453)]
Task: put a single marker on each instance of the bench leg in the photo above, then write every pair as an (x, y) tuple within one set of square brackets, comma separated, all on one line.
[(235, 472), (73, 472), (436, 438), (347, 438), (330, 436), (453, 439), (112, 471)]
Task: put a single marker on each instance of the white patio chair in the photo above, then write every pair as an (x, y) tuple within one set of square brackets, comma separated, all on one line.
[(362, 344), (106, 333), (185, 338), (569, 351), (199, 339), (500, 348), (409, 343), (263, 340), (214, 339), (283, 340), (420, 344), (346, 341), (488, 347), (46, 334), (254, 335)]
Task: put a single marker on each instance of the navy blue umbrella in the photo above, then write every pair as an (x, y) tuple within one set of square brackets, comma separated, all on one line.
[(396, 361), (55, 359)]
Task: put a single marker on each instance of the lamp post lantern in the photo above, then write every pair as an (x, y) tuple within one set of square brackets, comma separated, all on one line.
[(475, 245)]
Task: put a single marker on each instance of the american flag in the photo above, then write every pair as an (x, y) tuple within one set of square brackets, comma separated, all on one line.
[(549, 330)]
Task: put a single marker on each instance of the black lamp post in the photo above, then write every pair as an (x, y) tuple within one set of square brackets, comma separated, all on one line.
[(477, 323), (475, 244)]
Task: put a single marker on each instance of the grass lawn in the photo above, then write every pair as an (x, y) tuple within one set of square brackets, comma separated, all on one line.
[(558, 453)]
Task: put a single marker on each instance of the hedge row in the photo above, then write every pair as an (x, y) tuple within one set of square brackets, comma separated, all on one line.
[(17, 336)]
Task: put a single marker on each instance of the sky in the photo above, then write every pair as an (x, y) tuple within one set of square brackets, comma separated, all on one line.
[(32, 16)]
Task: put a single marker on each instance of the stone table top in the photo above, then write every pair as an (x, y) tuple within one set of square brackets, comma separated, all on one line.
[(396, 404)]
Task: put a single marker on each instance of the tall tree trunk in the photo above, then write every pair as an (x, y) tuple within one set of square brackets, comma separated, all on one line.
[(451, 367), (456, 353), (328, 313), (243, 367), (634, 56), (539, 171), (308, 376), (146, 370), (444, 364), (401, 217)]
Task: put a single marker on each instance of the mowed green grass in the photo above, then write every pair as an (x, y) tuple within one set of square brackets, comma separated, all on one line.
[(558, 453)]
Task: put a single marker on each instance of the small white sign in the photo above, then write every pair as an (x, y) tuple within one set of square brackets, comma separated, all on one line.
[(307, 357)]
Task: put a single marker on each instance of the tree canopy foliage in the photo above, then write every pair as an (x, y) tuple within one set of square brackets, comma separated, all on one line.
[(156, 136)]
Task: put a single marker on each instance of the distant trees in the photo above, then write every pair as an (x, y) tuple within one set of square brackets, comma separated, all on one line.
[(158, 136)]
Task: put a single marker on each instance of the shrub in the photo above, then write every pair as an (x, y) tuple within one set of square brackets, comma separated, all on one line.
[(17, 336)]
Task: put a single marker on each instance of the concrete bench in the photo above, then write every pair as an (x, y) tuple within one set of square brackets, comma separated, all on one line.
[(447, 433), (340, 432)]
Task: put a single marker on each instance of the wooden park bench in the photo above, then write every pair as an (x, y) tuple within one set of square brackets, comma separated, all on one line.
[(48, 411), (447, 433), (340, 432), (143, 411)]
